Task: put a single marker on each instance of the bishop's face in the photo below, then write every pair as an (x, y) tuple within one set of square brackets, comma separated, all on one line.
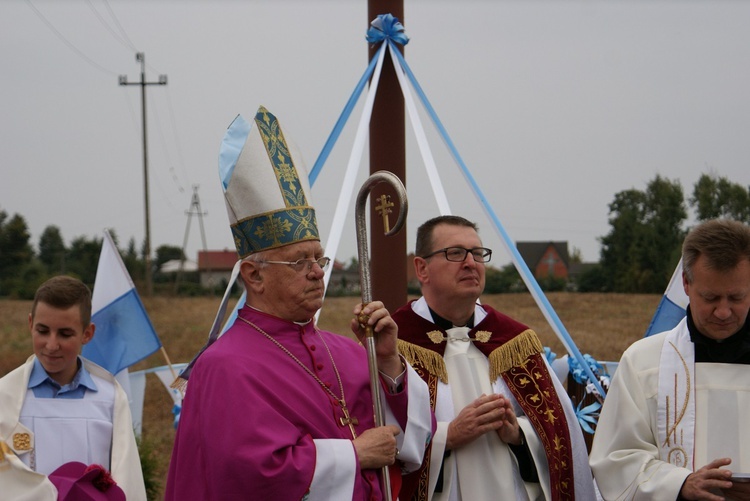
[(289, 294), (719, 300)]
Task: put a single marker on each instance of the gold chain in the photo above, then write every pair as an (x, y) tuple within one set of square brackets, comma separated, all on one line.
[(346, 420)]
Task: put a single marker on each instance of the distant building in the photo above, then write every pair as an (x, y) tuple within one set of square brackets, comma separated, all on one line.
[(175, 265), (215, 267), (343, 281), (546, 259)]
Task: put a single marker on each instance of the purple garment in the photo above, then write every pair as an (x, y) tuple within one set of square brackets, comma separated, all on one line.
[(250, 413)]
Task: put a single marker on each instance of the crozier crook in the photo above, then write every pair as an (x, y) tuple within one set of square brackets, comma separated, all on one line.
[(365, 285)]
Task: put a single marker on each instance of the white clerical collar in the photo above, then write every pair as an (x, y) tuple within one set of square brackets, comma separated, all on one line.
[(421, 308), (301, 324)]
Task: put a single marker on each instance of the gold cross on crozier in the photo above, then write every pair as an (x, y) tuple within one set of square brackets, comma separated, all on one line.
[(347, 419), (384, 209)]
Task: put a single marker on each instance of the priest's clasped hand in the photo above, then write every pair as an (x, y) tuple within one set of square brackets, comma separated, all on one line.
[(486, 413)]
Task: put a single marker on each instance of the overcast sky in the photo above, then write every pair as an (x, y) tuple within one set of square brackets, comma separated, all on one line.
[(555, 106)]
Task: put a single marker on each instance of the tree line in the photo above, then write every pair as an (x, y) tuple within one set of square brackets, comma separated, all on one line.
[(23, 268), (644, 243), (638, 254)]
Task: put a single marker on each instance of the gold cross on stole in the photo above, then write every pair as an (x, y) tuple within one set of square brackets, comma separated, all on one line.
[(347, 419)]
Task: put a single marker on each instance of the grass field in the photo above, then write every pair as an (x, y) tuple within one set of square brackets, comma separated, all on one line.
[(602, 325)]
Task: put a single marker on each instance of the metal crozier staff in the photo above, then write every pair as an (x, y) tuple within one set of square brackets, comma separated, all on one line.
[(366, 287)]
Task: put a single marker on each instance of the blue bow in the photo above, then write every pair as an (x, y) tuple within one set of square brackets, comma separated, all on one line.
[(386, 27), (578, 373), (588, 415), (549, 355)]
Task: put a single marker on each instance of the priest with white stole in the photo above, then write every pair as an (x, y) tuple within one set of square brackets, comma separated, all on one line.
[(674, 424)]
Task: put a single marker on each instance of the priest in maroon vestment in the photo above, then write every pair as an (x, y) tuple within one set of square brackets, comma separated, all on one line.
[(506, 428), (276, 408)]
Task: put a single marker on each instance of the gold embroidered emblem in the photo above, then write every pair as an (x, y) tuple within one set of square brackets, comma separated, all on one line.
[(21, 441), (436, 337), (483, 336)]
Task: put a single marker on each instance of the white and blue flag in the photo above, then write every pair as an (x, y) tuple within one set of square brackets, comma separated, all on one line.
[(124, 334), (673, 305)]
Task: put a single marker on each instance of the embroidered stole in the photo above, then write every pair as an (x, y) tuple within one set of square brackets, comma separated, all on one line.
[(676, 399), (517, 358)]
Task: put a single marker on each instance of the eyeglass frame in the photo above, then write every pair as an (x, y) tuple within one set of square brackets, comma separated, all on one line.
[(295, 264), (445, 250)]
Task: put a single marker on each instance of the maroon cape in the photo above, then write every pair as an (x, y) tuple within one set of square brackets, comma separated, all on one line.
[(514, 353)]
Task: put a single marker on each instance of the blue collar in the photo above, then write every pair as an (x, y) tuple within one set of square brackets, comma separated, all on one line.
[(44, 385)]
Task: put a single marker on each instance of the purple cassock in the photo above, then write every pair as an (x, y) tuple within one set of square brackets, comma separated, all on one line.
[(256, 425)]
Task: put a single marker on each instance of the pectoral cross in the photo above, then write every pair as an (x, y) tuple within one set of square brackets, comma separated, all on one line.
[(347, 419), (384, 209)]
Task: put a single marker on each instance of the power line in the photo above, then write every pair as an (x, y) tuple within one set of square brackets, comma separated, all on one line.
[(173, 123), (66, 42), (166, 151), (123, 40), (117, 23)]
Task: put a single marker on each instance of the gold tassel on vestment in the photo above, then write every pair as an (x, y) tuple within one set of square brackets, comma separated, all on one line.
[(430, 360), (514, 353)]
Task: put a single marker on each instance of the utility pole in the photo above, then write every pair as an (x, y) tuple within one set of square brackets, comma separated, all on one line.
[(141, 58), (195, 208)]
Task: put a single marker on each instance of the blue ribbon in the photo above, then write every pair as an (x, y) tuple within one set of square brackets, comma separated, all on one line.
[(386, 27), (343, 118), (588, 416), (549, 355), (176, 410)]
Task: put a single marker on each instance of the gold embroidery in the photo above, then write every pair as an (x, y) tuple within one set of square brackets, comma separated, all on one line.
[(482, 336), (546, 415), (677, 456), (672, 427), (21, 441), (436, 337)]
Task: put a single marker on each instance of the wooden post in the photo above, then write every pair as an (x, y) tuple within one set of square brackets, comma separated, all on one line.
[(387, 152)]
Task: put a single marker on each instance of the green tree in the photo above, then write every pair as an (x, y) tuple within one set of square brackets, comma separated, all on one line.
[(15, 250), (576, 256), (132, 262), (505, 279), (638, 254), (593, 280), (716, 197), (166, 253), (52, 250), (83, 258)]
